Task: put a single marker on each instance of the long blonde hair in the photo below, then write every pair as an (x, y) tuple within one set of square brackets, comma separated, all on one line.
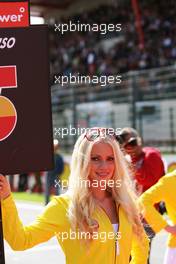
[(82, 202)]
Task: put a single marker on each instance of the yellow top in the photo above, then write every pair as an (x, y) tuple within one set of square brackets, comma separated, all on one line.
[(164, 190), (54, 221)]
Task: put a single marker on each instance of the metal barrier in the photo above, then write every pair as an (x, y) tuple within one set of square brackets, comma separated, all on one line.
[(144, 99)]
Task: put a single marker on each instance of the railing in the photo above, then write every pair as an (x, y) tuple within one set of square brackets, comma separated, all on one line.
[(144, 99)]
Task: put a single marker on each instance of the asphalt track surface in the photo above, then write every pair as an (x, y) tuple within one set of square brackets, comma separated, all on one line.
[(51, 253)]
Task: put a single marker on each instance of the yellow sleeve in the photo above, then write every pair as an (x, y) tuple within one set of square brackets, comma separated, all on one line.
[(42, 229), (152, 196), (140, 249)]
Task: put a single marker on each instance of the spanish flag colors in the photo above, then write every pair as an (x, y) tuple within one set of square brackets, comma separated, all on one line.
[(8, 117)]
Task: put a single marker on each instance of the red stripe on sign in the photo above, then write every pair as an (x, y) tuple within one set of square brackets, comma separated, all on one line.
[(7, 125), (14, 14), (8, 77)]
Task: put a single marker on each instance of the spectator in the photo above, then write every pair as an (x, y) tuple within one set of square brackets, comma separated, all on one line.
[(37, 187), (147, 164), (83, 52), (23, 182), (53, 177)]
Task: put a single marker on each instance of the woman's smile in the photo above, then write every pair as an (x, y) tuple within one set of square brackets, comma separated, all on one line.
[(102, 163)]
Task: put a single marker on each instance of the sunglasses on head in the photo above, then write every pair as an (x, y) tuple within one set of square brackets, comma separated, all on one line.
[(94, 133), (132, 143)]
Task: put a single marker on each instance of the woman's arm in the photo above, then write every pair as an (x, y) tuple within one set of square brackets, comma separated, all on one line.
[(140, 249), (155, 194), (42, 229)]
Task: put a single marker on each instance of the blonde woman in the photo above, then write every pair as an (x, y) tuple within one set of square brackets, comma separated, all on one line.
[(97, 220), (163, 190)]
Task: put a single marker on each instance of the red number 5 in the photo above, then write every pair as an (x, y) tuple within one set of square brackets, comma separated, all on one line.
[(8, 114)]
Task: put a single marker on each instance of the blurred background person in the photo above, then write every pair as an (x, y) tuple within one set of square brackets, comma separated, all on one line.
[(53, 183), (23, 182), (147, 161), (147, 165), (37, 186)]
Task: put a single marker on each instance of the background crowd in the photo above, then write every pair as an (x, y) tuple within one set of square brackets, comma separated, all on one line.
[(90, 52)]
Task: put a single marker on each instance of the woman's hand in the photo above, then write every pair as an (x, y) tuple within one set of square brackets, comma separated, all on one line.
[(171, 229), (4, 187)]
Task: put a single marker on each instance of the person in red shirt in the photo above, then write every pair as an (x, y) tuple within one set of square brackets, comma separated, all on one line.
[(147, 165), (147, 161)]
